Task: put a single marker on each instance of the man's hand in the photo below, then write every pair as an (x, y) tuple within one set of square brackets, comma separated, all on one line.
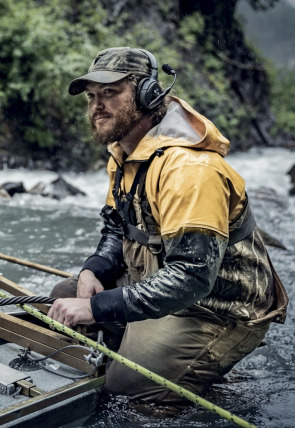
[(88, 285), (71, 312)]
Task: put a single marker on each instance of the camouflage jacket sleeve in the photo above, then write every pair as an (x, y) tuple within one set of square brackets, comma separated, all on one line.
[(190, 269), (107, 261)]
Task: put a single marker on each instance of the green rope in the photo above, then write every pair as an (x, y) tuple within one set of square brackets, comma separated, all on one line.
[(145, 372)]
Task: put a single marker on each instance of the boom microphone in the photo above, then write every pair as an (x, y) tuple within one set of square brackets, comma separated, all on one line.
[(168, 69)]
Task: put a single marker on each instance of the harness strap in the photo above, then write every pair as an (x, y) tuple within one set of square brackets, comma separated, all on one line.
[(142, 170), (116, 188), (130, 195), (246, 227), (245, 223), (135, 234), (124, 208)]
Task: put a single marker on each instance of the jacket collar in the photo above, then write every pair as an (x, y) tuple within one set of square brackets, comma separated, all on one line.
[(182, 126)]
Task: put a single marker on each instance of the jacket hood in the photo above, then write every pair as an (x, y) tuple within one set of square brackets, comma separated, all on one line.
[(182, 126)]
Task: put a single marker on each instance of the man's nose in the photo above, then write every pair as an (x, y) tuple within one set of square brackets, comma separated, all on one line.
[(97, 103)]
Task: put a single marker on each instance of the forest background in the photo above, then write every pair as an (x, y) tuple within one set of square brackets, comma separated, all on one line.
[(235, 63)]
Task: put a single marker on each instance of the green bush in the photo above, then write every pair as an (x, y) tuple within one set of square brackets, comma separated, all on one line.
[(283, 101), (47, 43), (42, 48)]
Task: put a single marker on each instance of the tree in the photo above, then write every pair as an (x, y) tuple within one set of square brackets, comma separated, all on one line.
[(47, 43)]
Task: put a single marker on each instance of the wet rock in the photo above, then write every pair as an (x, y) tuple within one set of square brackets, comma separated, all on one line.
[(57, 189), (291, 172), (12, 188), (270, 241), (4, 194), (38, 189)]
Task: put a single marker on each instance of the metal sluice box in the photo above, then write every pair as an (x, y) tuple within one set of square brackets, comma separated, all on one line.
[(28, 394), (9, 379), (41, 398)]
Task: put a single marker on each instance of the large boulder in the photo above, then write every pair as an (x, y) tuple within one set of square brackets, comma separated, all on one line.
[(13, 187), (57, 189), (4, 194)]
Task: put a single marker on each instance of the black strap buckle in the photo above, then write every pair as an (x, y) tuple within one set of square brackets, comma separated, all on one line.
[(111, 215)]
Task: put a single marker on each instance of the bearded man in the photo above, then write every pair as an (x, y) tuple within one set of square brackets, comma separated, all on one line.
[(181, 281)]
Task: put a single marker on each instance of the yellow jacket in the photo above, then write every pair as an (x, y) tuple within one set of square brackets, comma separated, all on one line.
[(191, 185)]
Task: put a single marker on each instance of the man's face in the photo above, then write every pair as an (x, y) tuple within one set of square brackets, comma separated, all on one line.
[(111, 109)]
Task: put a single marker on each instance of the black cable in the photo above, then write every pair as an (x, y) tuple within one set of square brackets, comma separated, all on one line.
[(70, 377), (56, 352), (20, 300), (38, 360)]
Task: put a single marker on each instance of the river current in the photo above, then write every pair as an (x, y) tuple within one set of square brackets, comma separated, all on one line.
[(62, 234)]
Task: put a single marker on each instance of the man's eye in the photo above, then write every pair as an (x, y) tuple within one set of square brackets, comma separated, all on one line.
[(108, 91), (89, 96)]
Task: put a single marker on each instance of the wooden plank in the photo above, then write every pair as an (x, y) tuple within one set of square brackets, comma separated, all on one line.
[(42, 349), (40, 333), (42, 341), (18, 290), (43, 401)]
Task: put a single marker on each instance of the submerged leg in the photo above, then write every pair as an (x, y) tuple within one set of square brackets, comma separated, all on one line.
[(192, 352)]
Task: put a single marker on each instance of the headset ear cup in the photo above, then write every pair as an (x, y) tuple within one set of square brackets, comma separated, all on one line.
[(148, 89), (140, 94)]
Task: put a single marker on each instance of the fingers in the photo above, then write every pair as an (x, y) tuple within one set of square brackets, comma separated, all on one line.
[(72, 311), (62, 313)]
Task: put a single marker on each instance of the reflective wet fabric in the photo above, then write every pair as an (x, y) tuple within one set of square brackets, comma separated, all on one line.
[(191, 189)]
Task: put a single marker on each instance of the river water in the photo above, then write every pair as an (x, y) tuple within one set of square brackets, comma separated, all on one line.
[(62, 234)]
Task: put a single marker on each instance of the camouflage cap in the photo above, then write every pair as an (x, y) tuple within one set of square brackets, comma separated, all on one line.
[(111, 65)]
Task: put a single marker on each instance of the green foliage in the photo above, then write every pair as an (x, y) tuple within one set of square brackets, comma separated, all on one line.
[(206, 83), (47, 43), (42, 48), (191, 29), (283, 101)]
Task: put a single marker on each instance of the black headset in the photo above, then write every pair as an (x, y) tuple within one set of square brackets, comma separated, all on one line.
[(149, 92)]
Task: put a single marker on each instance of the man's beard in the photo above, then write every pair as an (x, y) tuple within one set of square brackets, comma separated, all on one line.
[(122, 123)]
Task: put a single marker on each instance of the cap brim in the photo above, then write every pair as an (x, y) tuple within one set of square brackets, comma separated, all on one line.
[(78, 85)]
